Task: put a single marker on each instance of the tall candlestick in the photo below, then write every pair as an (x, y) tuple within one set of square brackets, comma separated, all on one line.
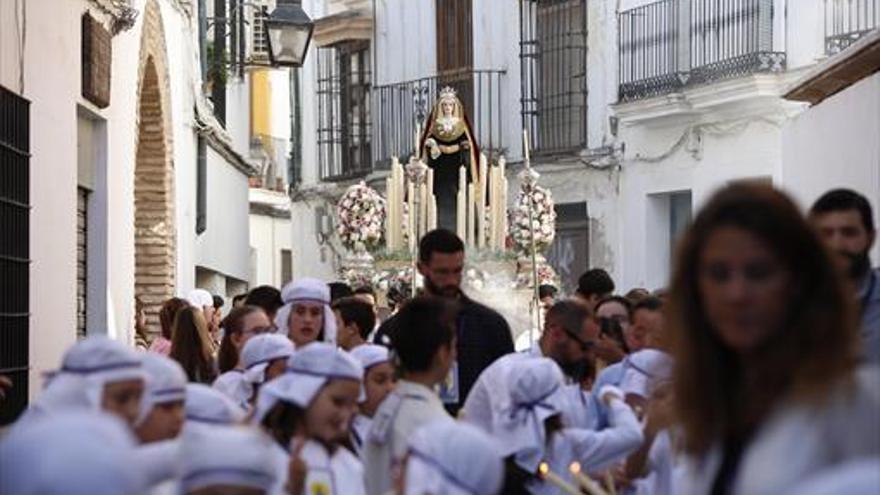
[(432, 212), (411, 223), (493, 207), (556, 480), (471, 207), (481, 202)]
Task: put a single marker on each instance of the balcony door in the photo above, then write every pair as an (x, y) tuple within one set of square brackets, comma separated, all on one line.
[(455, 48)]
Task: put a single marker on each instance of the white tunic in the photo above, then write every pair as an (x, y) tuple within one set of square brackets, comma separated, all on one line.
[(360, 428), (338, 474), (594, 450), (800, 440), (410, 406)]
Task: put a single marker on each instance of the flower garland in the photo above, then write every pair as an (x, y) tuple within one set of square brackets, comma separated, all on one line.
[(361, 212), (544, 220)]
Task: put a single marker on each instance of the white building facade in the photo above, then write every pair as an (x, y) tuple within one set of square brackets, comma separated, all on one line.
[(637, 110), (137, 184)]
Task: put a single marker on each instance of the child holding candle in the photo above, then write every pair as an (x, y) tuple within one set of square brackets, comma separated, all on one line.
[(531, 431)]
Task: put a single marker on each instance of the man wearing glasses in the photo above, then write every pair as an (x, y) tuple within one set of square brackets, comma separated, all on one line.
[(570, 333)]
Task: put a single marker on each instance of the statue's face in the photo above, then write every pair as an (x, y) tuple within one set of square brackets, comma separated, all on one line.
[(447, 107)]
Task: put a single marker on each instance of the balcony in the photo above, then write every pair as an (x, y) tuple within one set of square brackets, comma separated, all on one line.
[(668, 45), (398, 107), (846, 21)]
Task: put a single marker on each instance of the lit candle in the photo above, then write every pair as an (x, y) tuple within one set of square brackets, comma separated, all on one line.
[(526, 146), (556, 480), (585, 481)]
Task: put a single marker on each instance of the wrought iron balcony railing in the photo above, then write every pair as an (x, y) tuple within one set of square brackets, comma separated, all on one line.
[(848, 20), (398, 107), (667, 45)]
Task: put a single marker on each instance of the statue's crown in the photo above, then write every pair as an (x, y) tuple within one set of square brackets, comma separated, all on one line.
[(448, 92)]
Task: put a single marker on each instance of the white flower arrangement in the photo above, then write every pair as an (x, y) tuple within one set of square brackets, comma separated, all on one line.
[(361, 212), (543, 221)]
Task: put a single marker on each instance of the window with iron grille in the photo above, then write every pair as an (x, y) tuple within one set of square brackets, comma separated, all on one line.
[(14, 249), (344, 111), (259, 37), (553, 51)]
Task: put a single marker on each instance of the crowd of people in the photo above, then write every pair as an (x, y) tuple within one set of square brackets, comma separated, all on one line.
[(754, 372)]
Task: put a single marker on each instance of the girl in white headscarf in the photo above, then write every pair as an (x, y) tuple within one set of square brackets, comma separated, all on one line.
[(379, 381), (306, 315), (531, 430), (307, 411), (226, 459), (162, 404), (450, 458), (263, 357), (70, 452), (96, 373), (208, 407)]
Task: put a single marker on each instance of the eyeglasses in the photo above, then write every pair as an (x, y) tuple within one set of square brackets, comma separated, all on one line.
[(260, 330), (585, 345)]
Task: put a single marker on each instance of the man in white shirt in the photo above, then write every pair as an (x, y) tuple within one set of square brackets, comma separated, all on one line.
[(423, 341), (570, 332)]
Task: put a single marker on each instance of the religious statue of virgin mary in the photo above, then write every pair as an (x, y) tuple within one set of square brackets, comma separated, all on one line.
[(448, 141)]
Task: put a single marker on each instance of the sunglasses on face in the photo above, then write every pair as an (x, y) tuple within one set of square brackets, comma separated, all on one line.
[(585, 345)]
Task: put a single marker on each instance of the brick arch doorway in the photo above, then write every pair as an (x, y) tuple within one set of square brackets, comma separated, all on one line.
[(154, 239)]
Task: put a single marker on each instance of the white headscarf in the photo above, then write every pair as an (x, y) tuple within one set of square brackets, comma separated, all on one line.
[(536, 393), (86, 368), (308, 370), (199, 298), (450, 458), (206, 406), (644, 370), (70, 453), (257, 353), (240, 456), (306, 290), (369, 355), (165, 382)]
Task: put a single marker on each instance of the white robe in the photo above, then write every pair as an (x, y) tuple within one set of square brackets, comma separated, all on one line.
[(338, 474), (798, 440), (594, 450), (410, 406)]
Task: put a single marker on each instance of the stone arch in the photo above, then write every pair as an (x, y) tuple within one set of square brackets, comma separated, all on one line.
[(154, 231)]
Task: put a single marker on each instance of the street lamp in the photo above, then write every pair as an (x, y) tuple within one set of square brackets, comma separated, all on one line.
[(290, 31)]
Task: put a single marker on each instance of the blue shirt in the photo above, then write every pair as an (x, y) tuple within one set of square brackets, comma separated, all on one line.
[(869, 299)]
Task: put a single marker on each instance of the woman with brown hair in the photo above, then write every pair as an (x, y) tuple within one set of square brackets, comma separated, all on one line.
[(162, 343), (191, 345), (764, 333), (240, 324)]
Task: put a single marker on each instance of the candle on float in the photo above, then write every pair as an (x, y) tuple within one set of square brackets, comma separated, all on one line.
[(493, 207), (418, 138), (432, 212), (461, 201), (502, 202), (556, 480), (389, 184), (585, 481), (411, 224), (394, 199), (471, 207), (423, 209), (526, 146), (481, 202)]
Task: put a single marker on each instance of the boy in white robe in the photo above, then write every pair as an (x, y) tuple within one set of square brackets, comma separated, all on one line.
[(379, 381)]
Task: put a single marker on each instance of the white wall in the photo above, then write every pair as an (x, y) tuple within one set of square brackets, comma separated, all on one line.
[(223, 246), (269, 236), (310, 258), (836, 144), (406, 43)]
